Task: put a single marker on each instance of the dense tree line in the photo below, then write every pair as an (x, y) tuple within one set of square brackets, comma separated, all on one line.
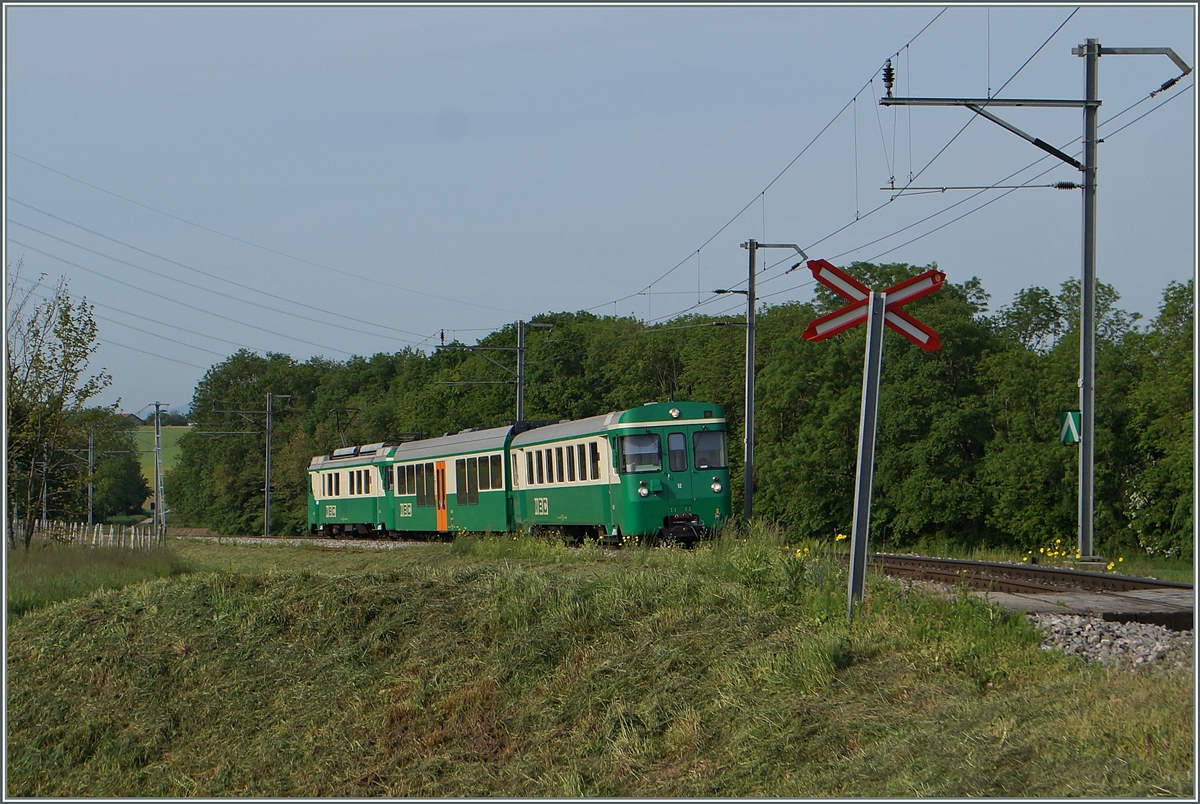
[(967, 450)]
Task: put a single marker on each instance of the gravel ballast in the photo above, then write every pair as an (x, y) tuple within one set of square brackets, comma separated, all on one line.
[(1124, 646)]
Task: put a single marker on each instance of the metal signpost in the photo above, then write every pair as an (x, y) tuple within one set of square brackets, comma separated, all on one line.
[(876, 309)]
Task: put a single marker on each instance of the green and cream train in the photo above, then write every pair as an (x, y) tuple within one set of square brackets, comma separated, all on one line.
[(658, 471)]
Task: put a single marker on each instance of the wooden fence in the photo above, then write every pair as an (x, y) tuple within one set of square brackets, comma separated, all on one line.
[(131, 537)]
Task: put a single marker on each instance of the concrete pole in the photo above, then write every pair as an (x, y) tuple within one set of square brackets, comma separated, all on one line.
[(267, 481), (160, 516), (91, 470), (749, 468), (868, 416), (1087, 319), (520, 371)]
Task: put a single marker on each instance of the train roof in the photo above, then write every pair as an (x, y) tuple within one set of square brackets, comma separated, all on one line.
[(653, 412), (493, 438)]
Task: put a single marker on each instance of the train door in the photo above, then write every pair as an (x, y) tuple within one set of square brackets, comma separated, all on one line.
[(679, 479), (439, 469)]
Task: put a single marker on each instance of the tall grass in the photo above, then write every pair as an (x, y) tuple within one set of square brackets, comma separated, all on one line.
[(48, 574), (517, 668)]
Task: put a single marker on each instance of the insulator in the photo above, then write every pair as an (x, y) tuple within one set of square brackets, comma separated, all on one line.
[(889, 77), (1066, 185)]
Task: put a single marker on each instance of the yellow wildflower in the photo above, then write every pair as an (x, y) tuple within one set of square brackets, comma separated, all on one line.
[(841, 537)]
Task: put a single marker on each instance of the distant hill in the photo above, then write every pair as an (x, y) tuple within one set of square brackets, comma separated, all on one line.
[(170, 448)]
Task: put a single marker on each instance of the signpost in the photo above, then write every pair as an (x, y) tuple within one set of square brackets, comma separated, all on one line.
[(877, 309)]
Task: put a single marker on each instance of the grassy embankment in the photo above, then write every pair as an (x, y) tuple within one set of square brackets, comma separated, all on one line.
[(501, 667)]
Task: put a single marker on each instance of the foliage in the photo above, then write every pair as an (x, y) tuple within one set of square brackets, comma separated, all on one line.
[(48, 346)]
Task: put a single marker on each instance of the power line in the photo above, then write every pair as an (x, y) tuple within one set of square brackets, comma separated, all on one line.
[(256, 245), (190, 268), (175, 301)]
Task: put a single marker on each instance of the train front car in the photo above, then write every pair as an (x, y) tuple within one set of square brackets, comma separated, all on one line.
[(658, 471), (672, 469)]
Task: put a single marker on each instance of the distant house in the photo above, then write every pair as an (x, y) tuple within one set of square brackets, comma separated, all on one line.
[(133, 419)]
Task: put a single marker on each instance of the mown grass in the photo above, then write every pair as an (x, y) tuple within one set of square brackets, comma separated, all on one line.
[(48, 574), (501, 667)]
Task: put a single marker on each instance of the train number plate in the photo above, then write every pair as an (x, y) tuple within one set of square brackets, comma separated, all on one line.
[(330, 511), (405, 509), (541, 506)]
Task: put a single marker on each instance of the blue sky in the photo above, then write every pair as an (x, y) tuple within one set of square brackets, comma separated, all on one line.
[(343, 181)]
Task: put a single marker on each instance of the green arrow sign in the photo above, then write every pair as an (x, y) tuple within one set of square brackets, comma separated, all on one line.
[(1069, 426)]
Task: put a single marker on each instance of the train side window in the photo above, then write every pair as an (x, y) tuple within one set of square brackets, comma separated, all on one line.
[(571, 464), (460, 478), (431, 485), (541, 473), (473, 481), (677, 452), (497, 462), (549, 465), (352, 485), (528, 468), (595, 456), (368, 473), (558, 463), (412, 479), (419, 471), (485, 473), (337, 484)]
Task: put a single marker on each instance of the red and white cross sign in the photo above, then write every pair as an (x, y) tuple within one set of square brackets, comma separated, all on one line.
[(855, 313)]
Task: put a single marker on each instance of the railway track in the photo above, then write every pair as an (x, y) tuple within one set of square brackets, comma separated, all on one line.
[(1013, 578)]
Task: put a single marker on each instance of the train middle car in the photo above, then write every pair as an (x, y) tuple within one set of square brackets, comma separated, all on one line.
[(660, 470)]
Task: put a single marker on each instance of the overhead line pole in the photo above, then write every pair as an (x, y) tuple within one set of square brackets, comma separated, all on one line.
[(1091, 51), (748, 472)]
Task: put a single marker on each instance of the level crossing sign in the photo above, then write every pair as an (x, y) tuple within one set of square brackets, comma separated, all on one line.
[(876, 309), (857, 294)]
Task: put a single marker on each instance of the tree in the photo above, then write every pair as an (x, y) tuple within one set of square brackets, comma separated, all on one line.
[(49, 345)]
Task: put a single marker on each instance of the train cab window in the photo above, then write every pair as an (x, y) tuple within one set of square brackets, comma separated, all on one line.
[(640, 453), (497, 463), (541, 472), (708, 447), (571, 464), (595, 456), (677, 452), (558, 463)]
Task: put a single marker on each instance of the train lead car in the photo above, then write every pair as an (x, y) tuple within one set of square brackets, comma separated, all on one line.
[(659, 471)]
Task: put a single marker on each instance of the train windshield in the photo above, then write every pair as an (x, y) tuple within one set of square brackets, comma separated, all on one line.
[(641, 453), (709, 446)]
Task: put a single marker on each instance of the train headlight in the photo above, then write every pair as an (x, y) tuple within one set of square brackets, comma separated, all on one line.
[(716, 487), (674, 413), (643, 491)]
